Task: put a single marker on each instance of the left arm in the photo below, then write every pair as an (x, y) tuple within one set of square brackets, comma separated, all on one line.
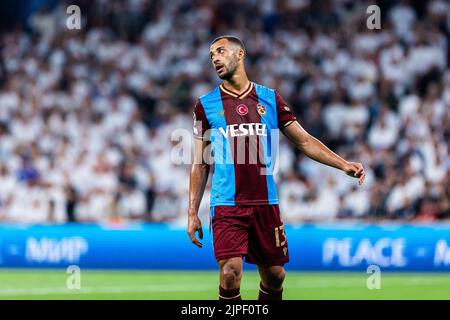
[(317, 151)]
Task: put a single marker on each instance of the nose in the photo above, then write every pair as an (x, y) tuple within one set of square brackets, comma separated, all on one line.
[(215, 59)]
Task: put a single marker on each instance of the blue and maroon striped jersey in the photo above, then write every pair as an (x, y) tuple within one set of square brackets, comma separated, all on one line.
[(243, 130)]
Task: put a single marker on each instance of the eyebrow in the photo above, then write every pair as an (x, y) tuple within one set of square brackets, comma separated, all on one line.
[(221, 47)]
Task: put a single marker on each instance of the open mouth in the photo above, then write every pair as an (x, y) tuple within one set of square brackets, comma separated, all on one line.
[(220, 68)]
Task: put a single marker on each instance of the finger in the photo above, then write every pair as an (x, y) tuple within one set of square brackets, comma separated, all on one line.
[(194, 240), (197, 243), (356, 167), (200, 232), (359, 171), (362, 178)]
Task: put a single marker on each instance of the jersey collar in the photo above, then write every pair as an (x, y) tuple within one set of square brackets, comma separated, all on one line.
[(235, 94)]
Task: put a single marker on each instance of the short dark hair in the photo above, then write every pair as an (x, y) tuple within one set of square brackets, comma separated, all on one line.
[(232, 39)]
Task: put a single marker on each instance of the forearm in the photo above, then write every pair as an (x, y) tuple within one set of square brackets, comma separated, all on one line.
[(316, 150), (198, 179)]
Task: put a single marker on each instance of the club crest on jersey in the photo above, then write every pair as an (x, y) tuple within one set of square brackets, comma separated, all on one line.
[(242, 109), (261, 109)]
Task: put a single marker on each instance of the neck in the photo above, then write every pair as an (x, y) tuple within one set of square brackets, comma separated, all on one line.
[(238, 82)]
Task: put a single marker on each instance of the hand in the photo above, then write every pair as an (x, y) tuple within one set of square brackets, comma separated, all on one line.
[(194, 225), (355, 170)]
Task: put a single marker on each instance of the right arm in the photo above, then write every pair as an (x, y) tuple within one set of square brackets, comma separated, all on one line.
[(198, 179)]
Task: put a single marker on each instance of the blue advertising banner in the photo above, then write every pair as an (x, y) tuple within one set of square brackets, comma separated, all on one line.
[(351, 247)]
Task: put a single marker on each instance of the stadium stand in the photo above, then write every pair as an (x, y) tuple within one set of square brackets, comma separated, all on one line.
[(86, 116)]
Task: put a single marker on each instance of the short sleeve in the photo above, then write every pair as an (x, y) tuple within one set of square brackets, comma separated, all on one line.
[(285, 113), (201, 124)]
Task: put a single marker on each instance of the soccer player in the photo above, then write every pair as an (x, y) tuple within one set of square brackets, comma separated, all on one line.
[(245, 216)]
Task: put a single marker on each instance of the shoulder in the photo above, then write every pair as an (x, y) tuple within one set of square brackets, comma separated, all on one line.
[(265, 93), (212, 95), (262, 88)]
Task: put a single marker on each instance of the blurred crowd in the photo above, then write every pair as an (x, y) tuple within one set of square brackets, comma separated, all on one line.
[(86, 116)]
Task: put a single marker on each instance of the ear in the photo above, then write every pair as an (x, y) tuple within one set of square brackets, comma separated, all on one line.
[(241, 54)]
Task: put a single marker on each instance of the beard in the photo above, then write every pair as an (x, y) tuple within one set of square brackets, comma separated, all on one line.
[(230, 69)]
